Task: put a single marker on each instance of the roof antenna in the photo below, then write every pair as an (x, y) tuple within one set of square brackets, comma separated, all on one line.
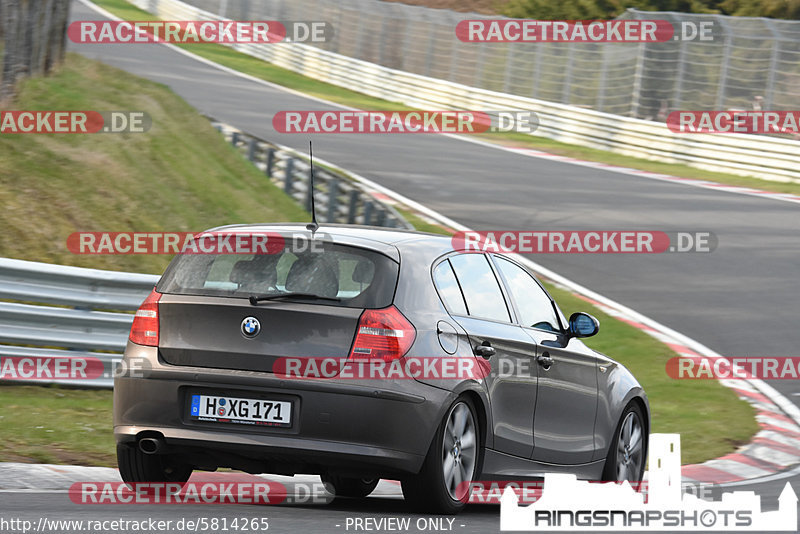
[(313, 225)]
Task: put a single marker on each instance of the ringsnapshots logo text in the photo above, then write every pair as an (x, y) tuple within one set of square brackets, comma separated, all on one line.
[(567, 504)]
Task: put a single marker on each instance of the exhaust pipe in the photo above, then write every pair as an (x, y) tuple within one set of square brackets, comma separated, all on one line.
[(151, 445)]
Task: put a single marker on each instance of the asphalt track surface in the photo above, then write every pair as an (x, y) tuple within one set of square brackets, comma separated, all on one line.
[(738, 300)]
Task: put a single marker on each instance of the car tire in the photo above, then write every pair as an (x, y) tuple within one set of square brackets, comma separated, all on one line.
[(136, 466), (436, 488), (352, 488), (628, 450)]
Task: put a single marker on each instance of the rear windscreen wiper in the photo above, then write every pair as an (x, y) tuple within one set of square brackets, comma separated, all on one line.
[(255, 299)]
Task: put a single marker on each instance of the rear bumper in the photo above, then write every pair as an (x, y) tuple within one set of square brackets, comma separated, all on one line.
[(280, 455), (348, 427)]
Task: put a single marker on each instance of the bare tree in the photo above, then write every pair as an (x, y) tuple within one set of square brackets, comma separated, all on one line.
[(11, 11), (34, 34)]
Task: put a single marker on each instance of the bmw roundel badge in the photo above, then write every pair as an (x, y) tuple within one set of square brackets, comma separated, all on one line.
[(250, 327)]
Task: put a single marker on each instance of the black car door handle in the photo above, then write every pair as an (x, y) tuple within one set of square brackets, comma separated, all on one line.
[(484, 351), (545, 360)]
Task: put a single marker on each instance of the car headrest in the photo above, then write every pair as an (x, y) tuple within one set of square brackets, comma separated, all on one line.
[(312, 274), (364, 272), (257, 274)]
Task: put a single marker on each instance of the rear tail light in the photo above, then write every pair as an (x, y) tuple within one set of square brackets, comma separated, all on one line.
[(144, 330), (382, 334)]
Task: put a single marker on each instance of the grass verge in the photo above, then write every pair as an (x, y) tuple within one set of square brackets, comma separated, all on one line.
[(179, 176), (56, 425), (260, 69)]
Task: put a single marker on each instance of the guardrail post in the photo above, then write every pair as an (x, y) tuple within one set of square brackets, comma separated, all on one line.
[(537, 71), (270, 161), (724, 64), (677, 93), (637, 80), (431, 48), (380, 217), (287, 179), (479, 65), (351, 210), (251, 149), (333, 200), (507, 74), (368, 212), (723, 75), (601, 86), (235, 138), (769, 93), (566, 89)]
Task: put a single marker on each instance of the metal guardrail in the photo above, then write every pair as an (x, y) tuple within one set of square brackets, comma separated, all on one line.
[(337, 198), (36, 329), (748, 155)]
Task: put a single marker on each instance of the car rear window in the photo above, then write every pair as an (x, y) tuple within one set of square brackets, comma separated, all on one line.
[(360, 278)]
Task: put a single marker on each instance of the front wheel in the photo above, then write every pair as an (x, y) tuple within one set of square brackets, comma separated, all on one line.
[(626, 455), (452, 462)]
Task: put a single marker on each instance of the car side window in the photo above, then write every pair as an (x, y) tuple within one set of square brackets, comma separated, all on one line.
[(446, 283), (533, 304), (480, 287)]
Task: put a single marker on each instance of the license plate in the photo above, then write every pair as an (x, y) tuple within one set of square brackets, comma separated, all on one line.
[(238, 410)]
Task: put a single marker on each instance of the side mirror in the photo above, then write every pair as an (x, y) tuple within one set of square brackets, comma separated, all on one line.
[(582, 325)]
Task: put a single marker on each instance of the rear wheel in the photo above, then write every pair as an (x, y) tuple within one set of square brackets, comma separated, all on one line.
[(626, 455), (453, 460), (354, 488), (136, 466)]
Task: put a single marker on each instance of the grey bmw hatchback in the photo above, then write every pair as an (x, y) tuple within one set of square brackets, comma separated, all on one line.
[(360, 353)]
